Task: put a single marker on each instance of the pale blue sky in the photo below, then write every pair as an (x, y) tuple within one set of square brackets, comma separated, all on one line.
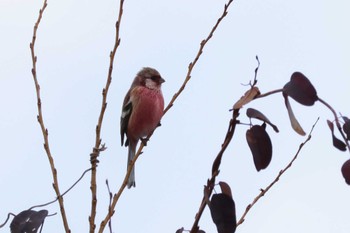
[(74, 40)]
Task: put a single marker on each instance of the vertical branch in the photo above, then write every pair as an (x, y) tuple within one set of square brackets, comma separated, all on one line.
[(98, 147), (41, 121)]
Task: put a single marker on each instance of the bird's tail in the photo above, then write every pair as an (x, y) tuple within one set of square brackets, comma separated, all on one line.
[(131, 155)]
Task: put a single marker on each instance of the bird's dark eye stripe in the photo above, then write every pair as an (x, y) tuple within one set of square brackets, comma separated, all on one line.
[(156, 77)]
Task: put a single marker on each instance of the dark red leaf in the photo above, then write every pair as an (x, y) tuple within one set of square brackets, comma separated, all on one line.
[(331, 126), (253, 113), (223, 210), (301, 89), (28, 221), (260, 145), (337, 143), (181, 230), (346, 127), (345, 170), (225, 188)]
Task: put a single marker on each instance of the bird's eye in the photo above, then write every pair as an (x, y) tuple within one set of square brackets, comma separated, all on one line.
[(154, 78)]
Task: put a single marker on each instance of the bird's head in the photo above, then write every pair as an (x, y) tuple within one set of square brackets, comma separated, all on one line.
[(149, 78)]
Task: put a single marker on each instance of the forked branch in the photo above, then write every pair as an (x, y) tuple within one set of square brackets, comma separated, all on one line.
[(98, 146)]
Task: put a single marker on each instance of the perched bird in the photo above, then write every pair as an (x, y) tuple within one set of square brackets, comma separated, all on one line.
[(142, 110)]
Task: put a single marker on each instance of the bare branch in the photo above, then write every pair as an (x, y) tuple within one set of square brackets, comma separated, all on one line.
[(41, 120), (98, 148)]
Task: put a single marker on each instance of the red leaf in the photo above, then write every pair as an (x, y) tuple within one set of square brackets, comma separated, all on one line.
[(301, 89), (225, 188), (253, 113), (181, 230), (345, 170), (337, 143), (346, 127), (260, 145), (223, 210)]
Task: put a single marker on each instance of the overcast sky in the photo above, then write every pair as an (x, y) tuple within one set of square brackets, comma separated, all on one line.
[(73, 45)]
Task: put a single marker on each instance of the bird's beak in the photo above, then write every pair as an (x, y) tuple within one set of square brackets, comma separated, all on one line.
[(161, 80)]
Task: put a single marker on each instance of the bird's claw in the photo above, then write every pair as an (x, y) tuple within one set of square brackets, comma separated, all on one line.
[(144, 141)]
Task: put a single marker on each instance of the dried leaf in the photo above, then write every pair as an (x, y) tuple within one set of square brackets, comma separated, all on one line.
[(223, 211), (253, 113), (294, 122), (248, 96), (345, 170), (301, 89), (260, 145)]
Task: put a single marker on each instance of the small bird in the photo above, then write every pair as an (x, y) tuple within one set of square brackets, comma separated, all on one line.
[(142, 111)]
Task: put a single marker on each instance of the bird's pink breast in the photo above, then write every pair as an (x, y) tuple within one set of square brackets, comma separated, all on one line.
[(148, 106)]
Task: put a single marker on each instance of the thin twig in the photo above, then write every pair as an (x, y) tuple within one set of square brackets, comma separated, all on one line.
[(109, 206), (97, 148), (256, 71), (41, 121), (119, 193), (8, 217), (75, 183), (264, 191)]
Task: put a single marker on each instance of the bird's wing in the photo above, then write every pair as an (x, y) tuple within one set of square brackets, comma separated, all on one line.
[(124, 119)]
